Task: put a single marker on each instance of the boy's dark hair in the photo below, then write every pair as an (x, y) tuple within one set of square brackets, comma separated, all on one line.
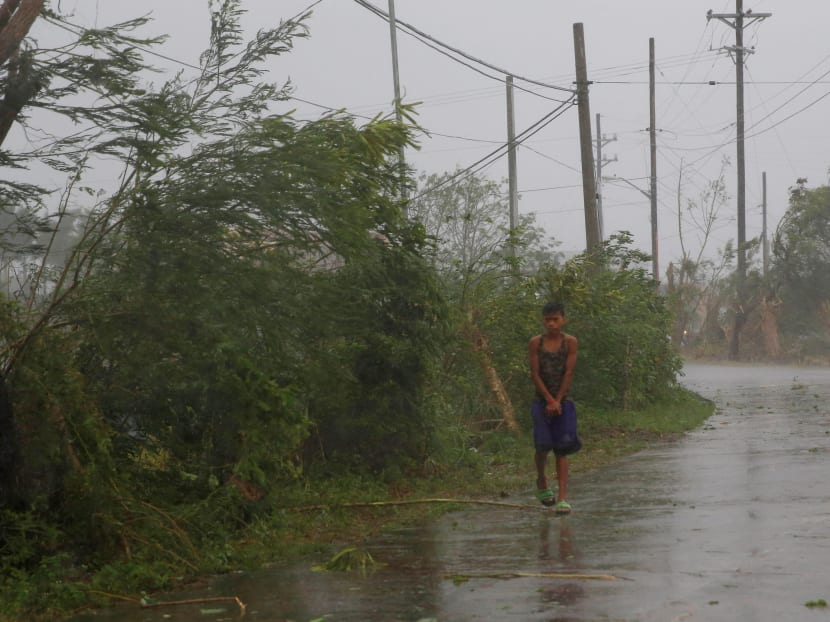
[(554, 307)]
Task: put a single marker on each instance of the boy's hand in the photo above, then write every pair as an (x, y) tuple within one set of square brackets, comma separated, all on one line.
[(553, 408)]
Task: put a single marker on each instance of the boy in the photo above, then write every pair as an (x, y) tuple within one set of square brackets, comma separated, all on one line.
[(552, 361)]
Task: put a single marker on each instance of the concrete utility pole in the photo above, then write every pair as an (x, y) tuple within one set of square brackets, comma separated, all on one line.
[(652, 133), (739, 20), (513, 192), (601, 141), (589, 188)]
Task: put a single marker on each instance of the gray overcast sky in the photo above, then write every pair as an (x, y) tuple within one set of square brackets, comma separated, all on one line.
[(347, 63)]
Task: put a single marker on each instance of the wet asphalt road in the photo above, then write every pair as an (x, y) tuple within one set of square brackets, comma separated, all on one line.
[(730, 523)]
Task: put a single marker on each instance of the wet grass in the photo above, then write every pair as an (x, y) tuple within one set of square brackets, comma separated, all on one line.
[(497, 465), (321, 519)]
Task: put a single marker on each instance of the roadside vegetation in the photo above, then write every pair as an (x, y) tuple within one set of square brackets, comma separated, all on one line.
[(206, 364)]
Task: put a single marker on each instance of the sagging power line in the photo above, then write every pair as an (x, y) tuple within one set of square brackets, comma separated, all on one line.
[(501, 150), (421, 35)]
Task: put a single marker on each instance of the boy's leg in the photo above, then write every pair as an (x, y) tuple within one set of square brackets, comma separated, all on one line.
[(541, 460), (543, 491), (562, 477)]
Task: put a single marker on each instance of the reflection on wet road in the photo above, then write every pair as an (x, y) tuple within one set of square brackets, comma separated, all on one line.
[(731, 523)]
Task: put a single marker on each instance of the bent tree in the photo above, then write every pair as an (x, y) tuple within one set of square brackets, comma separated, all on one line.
[(181, 339)]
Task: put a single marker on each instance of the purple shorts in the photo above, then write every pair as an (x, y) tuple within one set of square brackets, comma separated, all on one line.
[(555, 433)]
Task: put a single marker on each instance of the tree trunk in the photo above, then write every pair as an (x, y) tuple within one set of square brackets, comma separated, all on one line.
[(482, 349), (769, 328), (9, 448), (16, 18)]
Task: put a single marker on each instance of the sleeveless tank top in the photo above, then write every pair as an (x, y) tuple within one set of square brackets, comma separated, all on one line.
[(552, 367)]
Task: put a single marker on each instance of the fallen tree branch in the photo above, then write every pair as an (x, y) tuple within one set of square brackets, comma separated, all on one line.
[(197, 601), (130, 599), (458, 578), (370, 504)]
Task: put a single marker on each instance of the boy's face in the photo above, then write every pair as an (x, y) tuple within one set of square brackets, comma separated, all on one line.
[(553, 321)]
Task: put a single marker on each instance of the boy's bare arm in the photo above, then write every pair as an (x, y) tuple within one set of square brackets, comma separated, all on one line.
[(570, 363)]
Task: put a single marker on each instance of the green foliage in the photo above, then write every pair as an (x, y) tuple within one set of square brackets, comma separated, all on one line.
[(373, 366), (626, 356), (45, 588), (677, 410), (801, 268), (350, 558), (467, 218), (480, 261), (251, 280), (613, 307)]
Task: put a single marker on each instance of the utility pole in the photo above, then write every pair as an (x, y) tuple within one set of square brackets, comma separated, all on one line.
[(589, 188), (652, 133), (601, 141), (393, 33), (764, 238), (739, 78), (511, 168), (739, 20)]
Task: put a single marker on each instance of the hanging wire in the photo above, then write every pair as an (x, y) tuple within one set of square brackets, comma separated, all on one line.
[(501, 150), (411, 29)]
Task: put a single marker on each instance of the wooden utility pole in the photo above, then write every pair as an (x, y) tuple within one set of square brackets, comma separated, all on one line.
[(589, 189), (396, 81), (513, 192), (652, 133), (739, 99), (739, 20)]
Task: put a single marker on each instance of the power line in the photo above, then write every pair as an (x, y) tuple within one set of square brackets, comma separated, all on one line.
[(813, 83), (552, 159), (429, 133), (500, 151), (788, 117), (566, 187), (403, 25), (711, 82), (766, 129), (480, 93), (777, 136), (494, 155), (635, 69), (686, 104)]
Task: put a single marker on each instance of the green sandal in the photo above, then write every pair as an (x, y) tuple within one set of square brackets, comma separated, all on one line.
[(546, 497), (563, 507)]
